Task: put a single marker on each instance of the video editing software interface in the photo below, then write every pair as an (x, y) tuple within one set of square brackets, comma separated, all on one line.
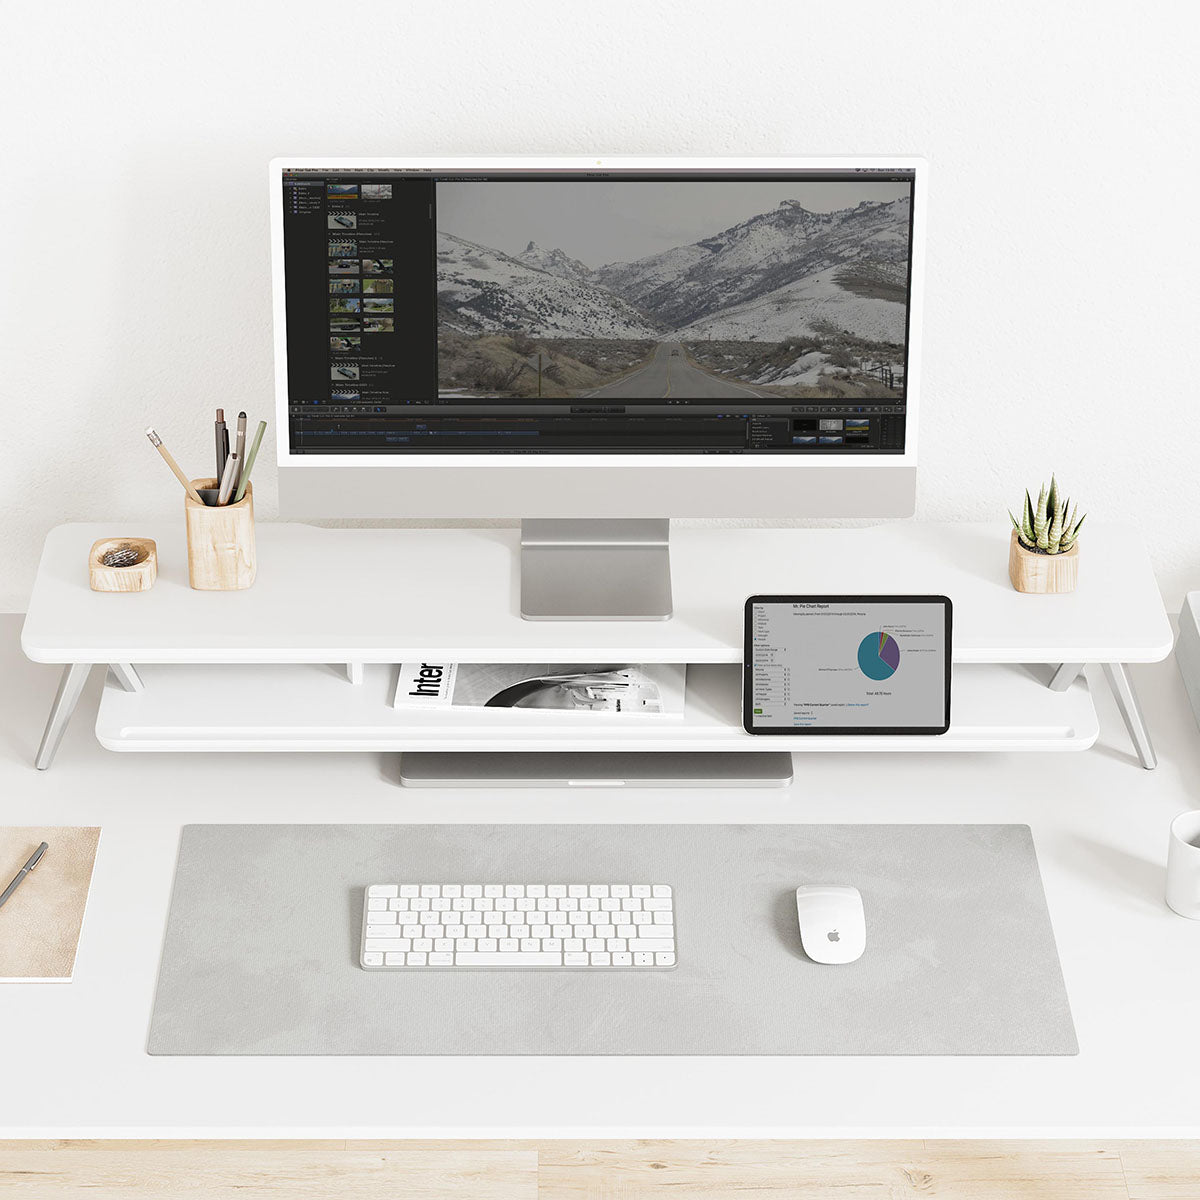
[(543, 312)]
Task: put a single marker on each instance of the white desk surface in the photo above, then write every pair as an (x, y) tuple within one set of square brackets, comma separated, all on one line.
[(1132, 968), (394, 595)]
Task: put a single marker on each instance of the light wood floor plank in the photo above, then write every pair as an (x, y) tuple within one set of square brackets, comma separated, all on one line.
[(823, 1171), (1161, 1170), (248, 1174)]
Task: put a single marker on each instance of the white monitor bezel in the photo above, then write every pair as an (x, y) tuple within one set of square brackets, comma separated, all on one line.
[(517, 461)]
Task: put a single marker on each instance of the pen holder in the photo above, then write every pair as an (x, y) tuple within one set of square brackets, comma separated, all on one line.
[(220, 542)]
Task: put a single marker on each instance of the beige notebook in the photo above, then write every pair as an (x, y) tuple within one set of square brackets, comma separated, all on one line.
[(40, 923)]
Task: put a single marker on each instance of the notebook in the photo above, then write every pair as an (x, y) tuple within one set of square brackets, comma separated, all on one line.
[(40, 923)]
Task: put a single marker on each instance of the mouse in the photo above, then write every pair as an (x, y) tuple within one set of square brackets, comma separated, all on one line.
[(833, 925)]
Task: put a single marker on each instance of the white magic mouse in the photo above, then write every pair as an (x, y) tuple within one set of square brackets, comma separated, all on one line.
[(833, 926)]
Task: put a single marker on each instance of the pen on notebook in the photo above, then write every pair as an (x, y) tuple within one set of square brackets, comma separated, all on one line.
[(240, 443), (245, 475), (231, 469), (222, 438), (157, 443), (20, 877)]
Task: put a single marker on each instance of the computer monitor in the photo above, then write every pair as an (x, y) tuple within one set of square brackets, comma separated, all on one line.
[(594, 346)]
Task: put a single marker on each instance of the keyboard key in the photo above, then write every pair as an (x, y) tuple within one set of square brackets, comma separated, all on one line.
[(656, 905), (620, 890), (451, 890), (372, 958), (430, 889), (441, 960), (385, 931), (641, 889), (622, 960), (571, 959), (514, 889), (598, 890), (376, 905), (422, 945), (661, 890), (536, 890), (383, 889), (637, 944), (627, 931), (409, 889), (382, 918), (664, 959), (493, 889), (500, 959), (556, 889), (643, 960), (394, 960), (416, 959), (398, 905), (472, 890), (577, 889)]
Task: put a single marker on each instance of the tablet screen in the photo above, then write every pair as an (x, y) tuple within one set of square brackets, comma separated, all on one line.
[(847, 664)]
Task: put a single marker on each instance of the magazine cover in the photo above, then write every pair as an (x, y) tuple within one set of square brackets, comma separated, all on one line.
[(623, 690)]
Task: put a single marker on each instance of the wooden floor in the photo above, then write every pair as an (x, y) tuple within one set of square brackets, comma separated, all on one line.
[(600, 1170)]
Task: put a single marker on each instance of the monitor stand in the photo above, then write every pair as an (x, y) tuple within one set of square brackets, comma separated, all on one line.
[(592, 569), (716, 768)]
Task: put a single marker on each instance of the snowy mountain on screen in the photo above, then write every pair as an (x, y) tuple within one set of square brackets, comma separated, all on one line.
[(784, 273), (555, 262), (481, 290), (779, 273)]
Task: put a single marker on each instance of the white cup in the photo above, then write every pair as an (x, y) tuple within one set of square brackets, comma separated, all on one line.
[(1183, 865)]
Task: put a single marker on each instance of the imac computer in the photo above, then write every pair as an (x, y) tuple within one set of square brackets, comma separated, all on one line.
[(594, 346)]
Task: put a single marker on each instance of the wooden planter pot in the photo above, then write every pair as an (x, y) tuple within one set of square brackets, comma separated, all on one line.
[(1042, 573)]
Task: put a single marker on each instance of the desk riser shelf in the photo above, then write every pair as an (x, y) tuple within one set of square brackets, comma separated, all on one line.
[(306, 707)]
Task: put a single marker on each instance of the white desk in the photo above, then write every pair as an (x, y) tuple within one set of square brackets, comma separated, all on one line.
[(368, 598), (1132, 968)]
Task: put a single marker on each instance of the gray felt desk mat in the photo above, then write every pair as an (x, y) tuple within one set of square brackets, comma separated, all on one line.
[(261, 953)]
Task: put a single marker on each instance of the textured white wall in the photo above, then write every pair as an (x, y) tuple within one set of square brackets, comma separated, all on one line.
[(1061, 308)]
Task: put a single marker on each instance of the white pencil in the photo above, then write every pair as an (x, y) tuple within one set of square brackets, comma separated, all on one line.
[(227, 480)]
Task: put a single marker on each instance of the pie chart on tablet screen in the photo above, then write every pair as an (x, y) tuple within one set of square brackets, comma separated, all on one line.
[(878, 656)]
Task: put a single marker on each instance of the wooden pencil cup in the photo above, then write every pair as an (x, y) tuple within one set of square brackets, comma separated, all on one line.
[(220, 542)]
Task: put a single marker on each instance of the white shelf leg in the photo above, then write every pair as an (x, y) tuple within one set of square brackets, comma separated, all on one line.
[(70, 686), (126, 675), (1065, 675), (354, 672), (1131, 711)]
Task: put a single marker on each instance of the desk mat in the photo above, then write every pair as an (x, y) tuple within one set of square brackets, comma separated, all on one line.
[(262, 944)]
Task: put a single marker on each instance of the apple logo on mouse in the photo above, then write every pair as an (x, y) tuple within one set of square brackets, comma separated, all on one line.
[(834, 936)]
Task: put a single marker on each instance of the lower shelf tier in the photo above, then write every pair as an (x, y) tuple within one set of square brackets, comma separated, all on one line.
[(240, 707)]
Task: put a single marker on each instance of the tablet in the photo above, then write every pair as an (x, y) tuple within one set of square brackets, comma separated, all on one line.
[(847, 664)]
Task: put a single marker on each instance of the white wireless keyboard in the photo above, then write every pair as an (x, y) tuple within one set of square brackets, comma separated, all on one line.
[(518, 925)]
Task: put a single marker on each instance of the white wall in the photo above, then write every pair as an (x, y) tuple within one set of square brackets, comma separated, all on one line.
[(1061, 309)]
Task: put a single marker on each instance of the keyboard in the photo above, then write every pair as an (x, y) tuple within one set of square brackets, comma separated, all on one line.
[(523, 925)]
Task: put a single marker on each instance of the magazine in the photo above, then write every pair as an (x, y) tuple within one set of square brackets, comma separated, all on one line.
[(594, 689)]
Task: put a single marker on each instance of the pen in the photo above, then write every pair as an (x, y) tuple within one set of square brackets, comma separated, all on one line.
[(240, 442), (231, 468), (157, 443), (245, 476), (222, 435), (20, 879)]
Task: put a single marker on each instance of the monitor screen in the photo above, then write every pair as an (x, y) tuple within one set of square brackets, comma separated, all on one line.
[(847, 664), (621, 312)]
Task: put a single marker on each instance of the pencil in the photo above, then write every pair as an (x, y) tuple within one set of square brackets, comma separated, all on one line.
[(245, 476), (157, 443), (226, 488)]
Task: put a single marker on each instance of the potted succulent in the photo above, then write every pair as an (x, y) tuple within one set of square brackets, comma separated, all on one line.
[(1043, 553)]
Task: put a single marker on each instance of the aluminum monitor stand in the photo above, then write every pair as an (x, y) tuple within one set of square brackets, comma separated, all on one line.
[(612, 569), (713, 768)]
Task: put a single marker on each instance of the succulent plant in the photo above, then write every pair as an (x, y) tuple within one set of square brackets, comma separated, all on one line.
[(1050, 526)]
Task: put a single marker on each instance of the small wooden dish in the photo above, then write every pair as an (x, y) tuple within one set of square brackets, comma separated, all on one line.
[(137, 576)]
